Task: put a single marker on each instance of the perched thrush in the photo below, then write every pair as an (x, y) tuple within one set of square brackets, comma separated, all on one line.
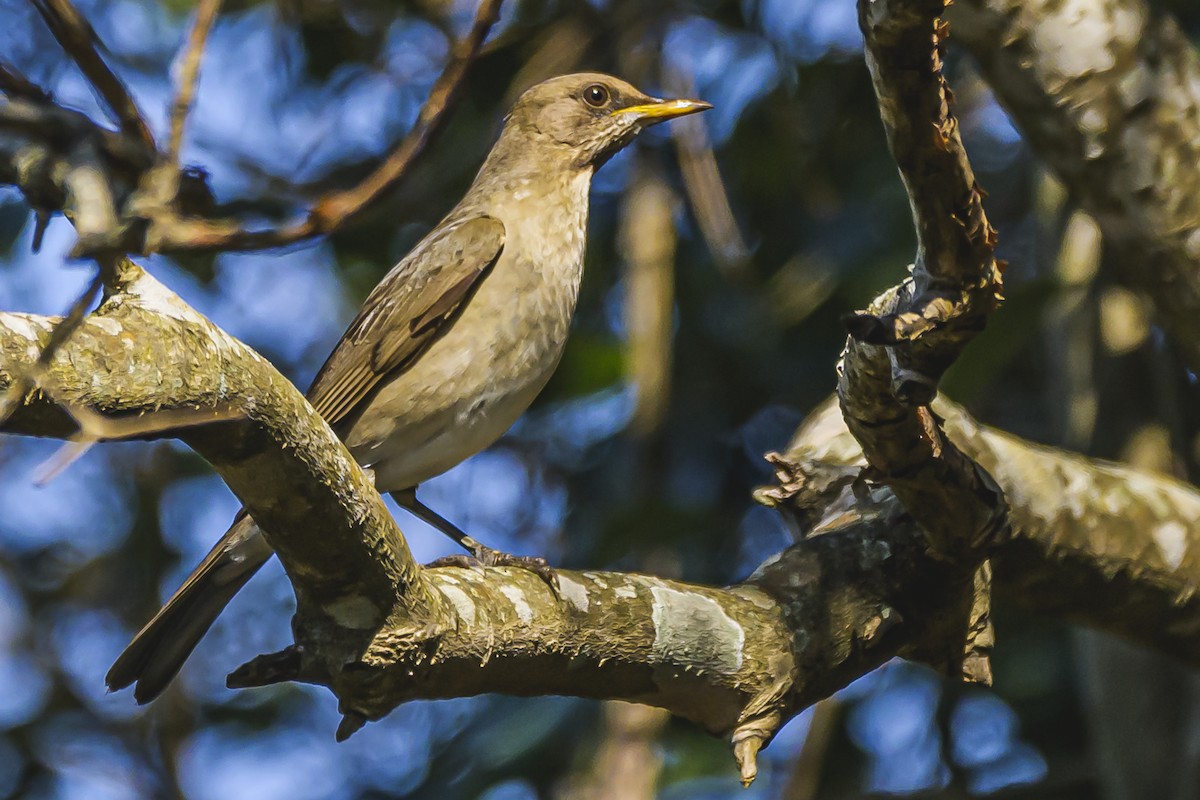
[(453, 345)]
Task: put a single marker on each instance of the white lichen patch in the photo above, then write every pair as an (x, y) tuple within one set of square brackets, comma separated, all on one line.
[(109, 326), (355, 612), (158, 298), (756, 596), (625, 591), (19, 324), (520, 603), (464, 606), (596, 578), (1171, 538), (694, 631), (573, 592)]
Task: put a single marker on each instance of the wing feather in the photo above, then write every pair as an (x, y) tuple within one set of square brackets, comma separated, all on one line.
[(406, 312)]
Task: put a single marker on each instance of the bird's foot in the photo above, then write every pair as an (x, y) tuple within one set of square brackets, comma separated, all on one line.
[(484, 556)]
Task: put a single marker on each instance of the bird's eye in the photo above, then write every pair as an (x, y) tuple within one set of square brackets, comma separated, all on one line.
[(595, 95)]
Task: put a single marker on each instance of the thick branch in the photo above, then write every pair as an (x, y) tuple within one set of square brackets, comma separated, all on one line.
[(378, 631), (1108, 93), (1095, 542), (145, 352), (900, 348)]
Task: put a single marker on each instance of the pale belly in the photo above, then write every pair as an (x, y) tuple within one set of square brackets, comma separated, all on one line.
[(471, 385), (427, 444), (474, 382)]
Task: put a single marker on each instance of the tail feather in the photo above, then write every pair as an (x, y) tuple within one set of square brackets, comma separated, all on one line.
[(155, 655)]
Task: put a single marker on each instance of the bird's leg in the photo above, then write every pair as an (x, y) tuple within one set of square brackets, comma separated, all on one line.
[(481, 554)]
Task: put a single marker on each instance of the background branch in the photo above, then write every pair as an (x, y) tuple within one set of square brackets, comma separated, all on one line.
[(173, 233), (1094, 542), (1119, 122), (189, 72), (14, 84), (76, 36)]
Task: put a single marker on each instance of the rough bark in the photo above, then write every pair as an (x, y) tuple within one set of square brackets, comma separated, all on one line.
[(901, 346), (1092, 541), (899, 349), (370, 623), (379, 631), (864, 588)]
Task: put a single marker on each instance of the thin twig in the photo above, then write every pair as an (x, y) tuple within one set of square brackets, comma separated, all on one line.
[(76, 36), (95, 428), (25, 381), (14, 84), (334, 209), (331, 211), (189, 72)]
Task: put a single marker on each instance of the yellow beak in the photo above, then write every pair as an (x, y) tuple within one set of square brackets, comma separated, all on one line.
[(665, 109)]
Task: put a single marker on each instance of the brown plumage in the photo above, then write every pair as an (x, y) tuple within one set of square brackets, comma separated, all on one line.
[(454, 343)]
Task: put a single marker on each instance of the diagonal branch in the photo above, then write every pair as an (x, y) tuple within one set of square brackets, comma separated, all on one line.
[(14, 84), (173, 233), (189, 72), (26, 380), (77, 37), (704, 186), (144, 351), (900, 348), (334, 209)]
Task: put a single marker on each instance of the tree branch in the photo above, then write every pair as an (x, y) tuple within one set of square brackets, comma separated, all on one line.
[(76, 36), (369, 623), (1108, 93), (154, 206), (189, 72), (900, 347), (1094, 542), (25, 380), (175, 233), (62, 161), (864, 584), (378, 631), (863, 587), (14, 84), (145, 351)]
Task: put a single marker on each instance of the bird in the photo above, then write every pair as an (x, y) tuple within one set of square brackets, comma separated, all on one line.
[(454, 343)]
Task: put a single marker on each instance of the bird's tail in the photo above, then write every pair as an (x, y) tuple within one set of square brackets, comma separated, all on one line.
[(158, 651)]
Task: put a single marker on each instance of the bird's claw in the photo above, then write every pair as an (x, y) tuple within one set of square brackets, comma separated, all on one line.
[(484, 556)]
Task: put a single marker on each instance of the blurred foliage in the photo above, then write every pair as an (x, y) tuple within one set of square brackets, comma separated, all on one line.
[(302, 95)]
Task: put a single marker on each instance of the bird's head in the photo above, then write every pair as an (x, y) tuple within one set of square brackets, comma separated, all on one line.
[(589, 116)]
